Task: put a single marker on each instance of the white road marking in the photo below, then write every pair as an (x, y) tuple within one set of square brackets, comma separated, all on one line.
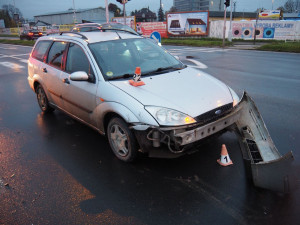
[(24, 60), (19, 55), (8, 48), (199, 65), (14, 46), (13, 56), (216, 50), (207, 50), (11, 65)]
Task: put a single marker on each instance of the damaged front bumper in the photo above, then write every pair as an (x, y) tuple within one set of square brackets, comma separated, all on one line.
[(264, 163), (267, 167)]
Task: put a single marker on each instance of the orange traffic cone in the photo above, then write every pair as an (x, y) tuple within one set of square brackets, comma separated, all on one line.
[(137, 78), (224, 160)]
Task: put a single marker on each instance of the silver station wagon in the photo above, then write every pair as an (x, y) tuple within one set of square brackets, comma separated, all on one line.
[(144, 99)]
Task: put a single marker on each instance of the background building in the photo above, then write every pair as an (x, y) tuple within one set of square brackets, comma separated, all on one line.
[(67, 17), (144, 15), (196, 5)]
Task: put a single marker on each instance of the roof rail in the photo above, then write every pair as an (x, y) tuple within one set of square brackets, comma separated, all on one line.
[(68, 32), (117, 29)]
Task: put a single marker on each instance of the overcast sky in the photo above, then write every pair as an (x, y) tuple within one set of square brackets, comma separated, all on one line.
[(30, 8)]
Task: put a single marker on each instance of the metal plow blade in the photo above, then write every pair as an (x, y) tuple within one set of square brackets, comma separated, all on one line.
[(268, 168)]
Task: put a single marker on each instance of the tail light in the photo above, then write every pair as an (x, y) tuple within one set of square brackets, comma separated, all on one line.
[(30, 33), (40, 33)]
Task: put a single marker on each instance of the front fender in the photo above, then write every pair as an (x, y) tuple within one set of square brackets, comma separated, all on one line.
[(125, 113)]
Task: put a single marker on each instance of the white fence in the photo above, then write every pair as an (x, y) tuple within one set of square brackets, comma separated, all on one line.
[(265, 30)]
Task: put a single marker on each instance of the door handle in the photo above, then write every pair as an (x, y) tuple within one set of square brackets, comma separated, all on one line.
[(66, 81), (44, 70)]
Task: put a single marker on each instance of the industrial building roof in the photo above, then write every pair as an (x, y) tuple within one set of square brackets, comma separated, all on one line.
[(69, 11)]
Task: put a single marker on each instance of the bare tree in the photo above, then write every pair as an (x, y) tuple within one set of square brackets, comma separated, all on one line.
[(12, 10), (291, 6), (173, 9), (297, 5)]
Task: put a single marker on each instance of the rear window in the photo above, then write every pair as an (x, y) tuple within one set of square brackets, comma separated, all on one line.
[(56, 52), (40, 50), (86, 29)]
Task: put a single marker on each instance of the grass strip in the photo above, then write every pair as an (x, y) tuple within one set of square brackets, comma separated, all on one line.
[(209, 42), (17, 42), (281, 47), (9, 35)]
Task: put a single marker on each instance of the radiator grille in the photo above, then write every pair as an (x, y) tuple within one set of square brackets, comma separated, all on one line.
[(214, 114)]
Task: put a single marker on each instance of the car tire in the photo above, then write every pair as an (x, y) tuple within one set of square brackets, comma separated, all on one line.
[(43, 100), (122, 140)]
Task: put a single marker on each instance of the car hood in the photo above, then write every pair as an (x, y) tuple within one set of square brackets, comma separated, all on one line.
[(188, 90)]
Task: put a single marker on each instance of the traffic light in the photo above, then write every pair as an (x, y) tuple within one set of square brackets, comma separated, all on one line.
[(227, 3), (123, 1)]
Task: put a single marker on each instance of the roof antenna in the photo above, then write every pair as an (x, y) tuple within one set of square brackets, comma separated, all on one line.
[(118, 35)]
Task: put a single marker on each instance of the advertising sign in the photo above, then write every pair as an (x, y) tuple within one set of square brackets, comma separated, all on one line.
[(269, 15), (279, 30), (147, 28), (14, 31), (130, 21), (188, 23), (65, 28)]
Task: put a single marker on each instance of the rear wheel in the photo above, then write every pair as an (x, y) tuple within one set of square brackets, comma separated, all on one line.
[(43, 100), (122, 141)]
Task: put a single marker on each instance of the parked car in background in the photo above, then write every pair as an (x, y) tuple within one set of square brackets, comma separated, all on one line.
[(30, 35), (87, 27)]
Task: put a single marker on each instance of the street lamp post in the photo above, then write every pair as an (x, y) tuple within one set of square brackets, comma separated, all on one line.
[(124, 12), (224, 27), (230, 28), (15, 12), (106, 11), (74, 13)]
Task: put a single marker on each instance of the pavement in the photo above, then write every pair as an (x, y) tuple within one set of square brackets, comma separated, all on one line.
[(55, 170), (246, 45)]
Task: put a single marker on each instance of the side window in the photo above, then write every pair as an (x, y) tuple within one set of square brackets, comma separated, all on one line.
[(40, 50), (77, 61), (55, 56)]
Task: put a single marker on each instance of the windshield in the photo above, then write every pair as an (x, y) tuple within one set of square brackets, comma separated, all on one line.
[(119, 58)]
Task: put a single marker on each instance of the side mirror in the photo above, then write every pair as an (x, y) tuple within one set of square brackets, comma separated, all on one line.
[(79, 76)]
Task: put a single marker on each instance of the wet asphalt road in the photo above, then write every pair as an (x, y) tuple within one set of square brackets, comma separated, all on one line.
[(54, 170)]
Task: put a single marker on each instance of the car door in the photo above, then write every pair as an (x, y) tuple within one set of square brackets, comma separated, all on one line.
[(52, 71), (79, 97)]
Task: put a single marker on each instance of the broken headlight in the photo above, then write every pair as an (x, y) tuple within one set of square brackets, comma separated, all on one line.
[(169, 117)]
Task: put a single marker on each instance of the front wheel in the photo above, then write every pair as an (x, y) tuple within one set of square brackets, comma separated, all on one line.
[(122, 141), (43, 100)]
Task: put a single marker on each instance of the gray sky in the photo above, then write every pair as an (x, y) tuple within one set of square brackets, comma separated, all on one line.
[(30, 8)]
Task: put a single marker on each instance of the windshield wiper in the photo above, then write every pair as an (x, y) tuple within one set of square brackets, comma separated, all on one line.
[(163, 69), (127, 75)]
